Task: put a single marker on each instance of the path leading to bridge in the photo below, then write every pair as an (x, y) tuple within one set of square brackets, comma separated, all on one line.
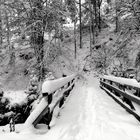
[(89, 114)]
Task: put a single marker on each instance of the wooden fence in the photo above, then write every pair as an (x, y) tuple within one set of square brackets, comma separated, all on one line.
[(54, 94), (124, 91)]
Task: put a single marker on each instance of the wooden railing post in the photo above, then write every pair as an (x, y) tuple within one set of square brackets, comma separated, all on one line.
[(137, 92)]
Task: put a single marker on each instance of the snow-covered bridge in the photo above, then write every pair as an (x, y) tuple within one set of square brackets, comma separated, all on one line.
[(88, 114)]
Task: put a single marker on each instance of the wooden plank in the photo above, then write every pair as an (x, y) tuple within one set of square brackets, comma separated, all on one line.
[(41, 115)]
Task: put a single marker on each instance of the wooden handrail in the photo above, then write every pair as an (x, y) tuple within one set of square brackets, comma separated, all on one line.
[(123, 93), (123, 81), (116, 88), (53, 85), (46, 108)]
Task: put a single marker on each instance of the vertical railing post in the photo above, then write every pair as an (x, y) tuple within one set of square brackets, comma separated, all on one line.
[(137, 92)]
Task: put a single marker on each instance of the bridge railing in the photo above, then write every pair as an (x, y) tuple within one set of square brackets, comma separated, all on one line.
[(124, 91), (54, 94)]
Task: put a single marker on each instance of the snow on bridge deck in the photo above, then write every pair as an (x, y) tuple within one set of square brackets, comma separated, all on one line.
[(90, 114)]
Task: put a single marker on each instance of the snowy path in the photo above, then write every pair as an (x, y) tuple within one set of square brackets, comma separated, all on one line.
[(90, 114)]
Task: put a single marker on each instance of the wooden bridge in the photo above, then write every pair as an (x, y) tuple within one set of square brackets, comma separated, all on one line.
[(124, 91)]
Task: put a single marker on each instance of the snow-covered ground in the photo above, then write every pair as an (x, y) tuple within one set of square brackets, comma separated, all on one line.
[(16, 96), (89, 114)]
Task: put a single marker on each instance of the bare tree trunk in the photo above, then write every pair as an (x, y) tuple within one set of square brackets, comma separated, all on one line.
[(1, 40), (95, 13), (55, 41), (12, 56), (99, 15), (61, 29), (75, 47), (10, 46), (93, 27), (90, 27), (8, 30), (117, 21), (80, 18), (99, 26), (37, 38)]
